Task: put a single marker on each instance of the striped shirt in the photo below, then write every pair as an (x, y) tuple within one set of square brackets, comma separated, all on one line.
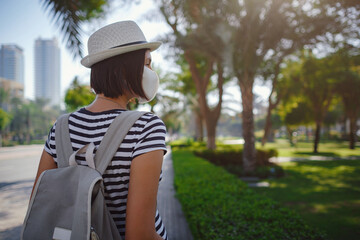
[(146, 135)]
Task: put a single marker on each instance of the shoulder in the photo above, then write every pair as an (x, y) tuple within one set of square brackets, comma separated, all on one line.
[(151, 134), (151, 121)]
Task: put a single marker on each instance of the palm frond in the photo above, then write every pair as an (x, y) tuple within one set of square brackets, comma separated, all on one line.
[(65, 14)]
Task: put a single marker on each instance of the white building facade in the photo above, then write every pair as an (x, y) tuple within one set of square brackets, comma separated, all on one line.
[(47, 70), (12, 63)]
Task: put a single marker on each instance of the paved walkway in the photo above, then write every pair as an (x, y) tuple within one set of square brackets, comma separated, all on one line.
[(16, 185), (169, 206)]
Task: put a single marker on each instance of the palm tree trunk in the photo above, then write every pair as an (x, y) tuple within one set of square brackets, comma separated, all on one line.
[(247, 97)]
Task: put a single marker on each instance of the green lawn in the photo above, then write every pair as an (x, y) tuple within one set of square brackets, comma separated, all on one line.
[(325, 193), (304, 149)]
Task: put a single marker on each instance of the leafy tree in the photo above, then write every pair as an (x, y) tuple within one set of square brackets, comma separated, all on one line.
[(42, 118), (5, 119), (30, 120), (346, 63), (4, 97), (318, 86), (317, 82), (178, 91), (195, 26), (333, 116), (265, 29), (349, 90), (311, 86), (78, 95), (293, 107), (300, 114), (183, 84)]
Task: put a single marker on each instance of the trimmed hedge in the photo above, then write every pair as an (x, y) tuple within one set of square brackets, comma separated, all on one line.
[(218, 205), (231, 158), (234, 156)]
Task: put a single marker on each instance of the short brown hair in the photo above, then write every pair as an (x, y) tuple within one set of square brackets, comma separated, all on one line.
[(117, 75)]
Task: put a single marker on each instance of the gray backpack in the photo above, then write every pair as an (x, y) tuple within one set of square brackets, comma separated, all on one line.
[(68, 202)]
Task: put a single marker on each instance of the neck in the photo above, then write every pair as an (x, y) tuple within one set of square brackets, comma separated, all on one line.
[(102, 103)]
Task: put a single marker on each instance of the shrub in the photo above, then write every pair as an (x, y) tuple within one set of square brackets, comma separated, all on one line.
[(188, 144), (218, 205), (230, 157), (227, 155)]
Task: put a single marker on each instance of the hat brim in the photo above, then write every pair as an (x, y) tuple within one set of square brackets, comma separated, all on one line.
[(91, 59)]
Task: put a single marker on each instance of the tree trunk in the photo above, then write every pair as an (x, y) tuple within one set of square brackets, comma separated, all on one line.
[(211, 133), (199, 129), (272, 105), (344, 133), (211, 116), (268, 125), (290, 132), (247, 97), (317, 136), (271, 137), (352, 134)]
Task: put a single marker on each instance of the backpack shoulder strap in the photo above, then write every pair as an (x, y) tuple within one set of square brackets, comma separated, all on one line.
[(114, 137), (62, 141)]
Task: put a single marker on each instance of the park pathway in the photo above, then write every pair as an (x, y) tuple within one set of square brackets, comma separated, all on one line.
[(169, 206), (18, 167)]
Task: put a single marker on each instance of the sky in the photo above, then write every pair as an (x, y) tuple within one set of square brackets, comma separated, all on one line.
[(23, 21)]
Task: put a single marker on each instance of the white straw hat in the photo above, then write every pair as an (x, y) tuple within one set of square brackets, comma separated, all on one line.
[(115, 39)]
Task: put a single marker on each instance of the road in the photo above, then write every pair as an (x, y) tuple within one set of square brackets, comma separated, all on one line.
[(18, 167)]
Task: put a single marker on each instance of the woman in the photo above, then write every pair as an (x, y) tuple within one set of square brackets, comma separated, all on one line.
[(120, 62)]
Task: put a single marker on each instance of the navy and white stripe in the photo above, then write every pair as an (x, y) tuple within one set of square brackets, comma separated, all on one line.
[(146, 135)]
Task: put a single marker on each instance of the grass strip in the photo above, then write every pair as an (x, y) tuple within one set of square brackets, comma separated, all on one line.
[(305, 149), (218, 205), (325, 193)]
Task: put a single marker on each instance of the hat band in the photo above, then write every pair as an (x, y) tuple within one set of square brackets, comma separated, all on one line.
[(127, 44)]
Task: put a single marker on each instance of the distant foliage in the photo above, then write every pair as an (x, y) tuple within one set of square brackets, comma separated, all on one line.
[(78, 95), (5, 119), (27, 121)]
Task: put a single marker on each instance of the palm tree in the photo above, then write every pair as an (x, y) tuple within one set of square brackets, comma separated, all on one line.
[(69, 15)]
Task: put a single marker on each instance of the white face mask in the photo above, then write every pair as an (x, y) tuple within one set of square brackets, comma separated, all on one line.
[(150, 85)]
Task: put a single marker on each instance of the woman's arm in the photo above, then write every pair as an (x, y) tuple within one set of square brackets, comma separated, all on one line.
[(46, 162), (141, 203)]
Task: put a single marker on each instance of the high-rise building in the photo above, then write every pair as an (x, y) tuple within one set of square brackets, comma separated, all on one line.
[(47, 70), (12, 63)]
